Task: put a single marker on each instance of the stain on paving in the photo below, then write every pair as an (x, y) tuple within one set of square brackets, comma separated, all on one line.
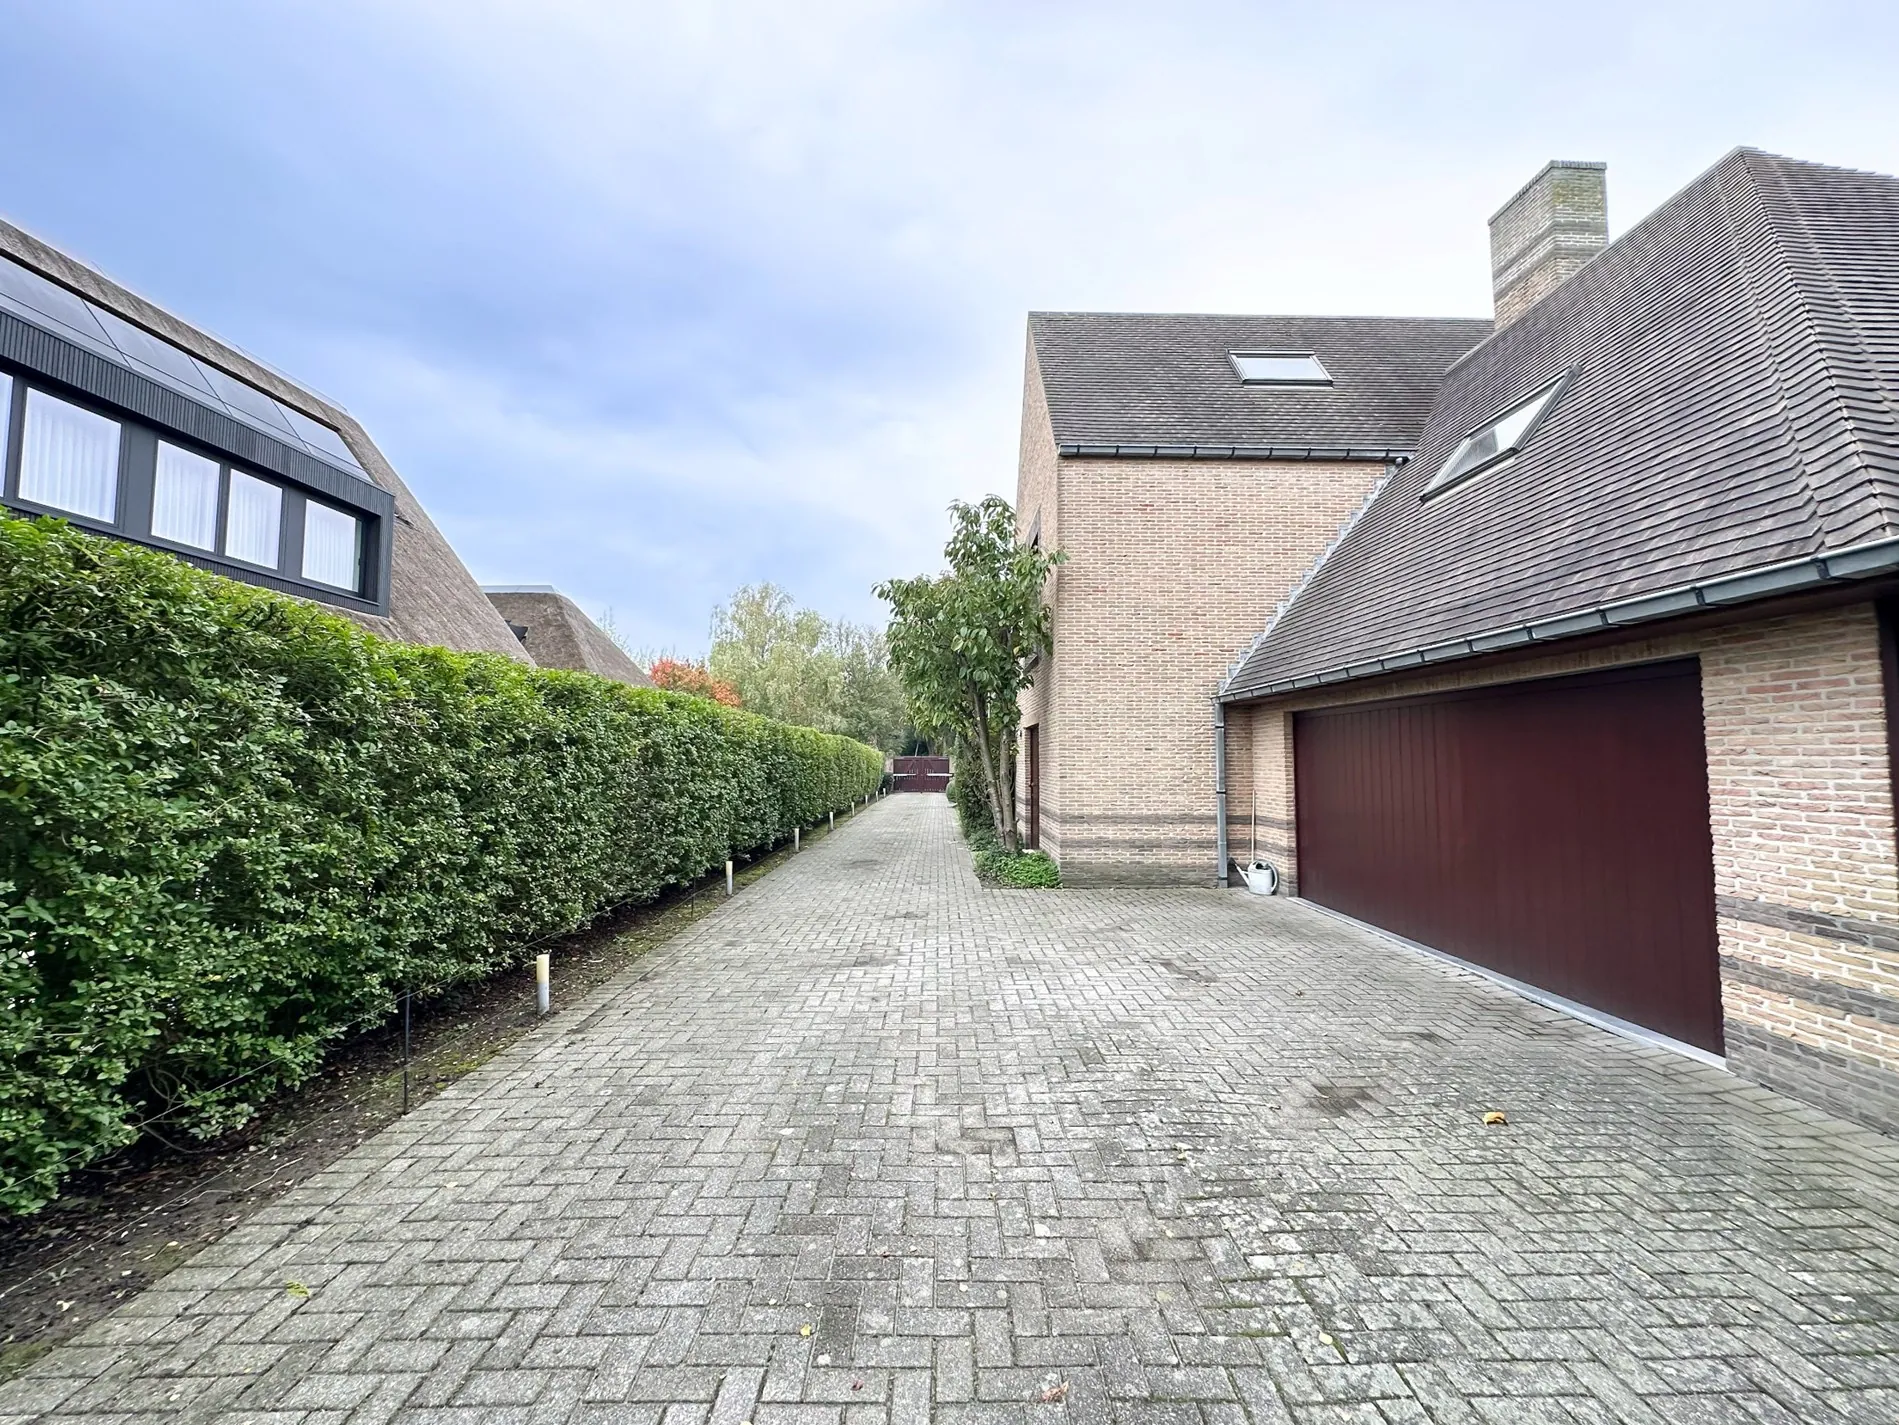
[(1221, 1161)]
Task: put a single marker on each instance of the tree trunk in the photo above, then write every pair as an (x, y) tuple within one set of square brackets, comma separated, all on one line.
[(995, 765), (1005, 756)]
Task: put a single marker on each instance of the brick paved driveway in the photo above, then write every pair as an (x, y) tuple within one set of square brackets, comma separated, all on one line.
[(873, 1143)]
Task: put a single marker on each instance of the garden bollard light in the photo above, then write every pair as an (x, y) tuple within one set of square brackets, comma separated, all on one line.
[(728, 878), (834, 821), (797, 835), (541, 981)]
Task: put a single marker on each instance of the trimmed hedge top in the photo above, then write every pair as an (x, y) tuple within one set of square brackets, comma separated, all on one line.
[(234, 827)]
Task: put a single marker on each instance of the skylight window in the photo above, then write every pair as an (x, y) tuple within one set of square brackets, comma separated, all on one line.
[(1279, 368), (1498, 441)]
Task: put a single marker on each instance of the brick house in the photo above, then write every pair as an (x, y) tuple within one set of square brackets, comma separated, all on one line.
[(1192, 472), (1594, 692)]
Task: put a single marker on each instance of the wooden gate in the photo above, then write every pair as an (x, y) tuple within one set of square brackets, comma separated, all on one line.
[(919, 774)]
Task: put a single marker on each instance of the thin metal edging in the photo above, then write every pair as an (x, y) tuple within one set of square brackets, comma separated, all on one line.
[(1219, 790), (1575, 1009), (1810, 571), (1109, 451)]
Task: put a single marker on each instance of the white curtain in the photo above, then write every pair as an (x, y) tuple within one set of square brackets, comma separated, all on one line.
[(254, 521), (69, 458), (330, 546), (185, 498)]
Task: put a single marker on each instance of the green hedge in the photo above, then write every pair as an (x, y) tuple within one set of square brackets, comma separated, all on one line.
[(234, 827), (1027, 870)]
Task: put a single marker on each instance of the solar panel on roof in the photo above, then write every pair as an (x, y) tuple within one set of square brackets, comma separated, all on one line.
[(160, 357), (44, 300), (46, 304)]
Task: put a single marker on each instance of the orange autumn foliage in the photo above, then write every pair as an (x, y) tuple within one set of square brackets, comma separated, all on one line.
[(683, 677)]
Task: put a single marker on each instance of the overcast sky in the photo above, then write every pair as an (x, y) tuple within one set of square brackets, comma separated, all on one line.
[(649, 301)]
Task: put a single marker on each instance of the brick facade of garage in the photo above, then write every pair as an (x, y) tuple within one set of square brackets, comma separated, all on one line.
[(1801, 810)]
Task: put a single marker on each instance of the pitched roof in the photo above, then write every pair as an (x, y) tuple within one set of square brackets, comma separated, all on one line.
[(1146, 384), (557, 634), (433, 599), (1734, 407)]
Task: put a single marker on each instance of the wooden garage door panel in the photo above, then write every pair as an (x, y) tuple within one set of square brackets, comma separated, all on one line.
[(1555, 831)]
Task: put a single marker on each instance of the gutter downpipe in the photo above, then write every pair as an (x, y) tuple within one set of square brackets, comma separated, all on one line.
[(1219, 786)]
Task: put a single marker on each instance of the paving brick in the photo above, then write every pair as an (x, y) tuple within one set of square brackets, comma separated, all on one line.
[(989, 1143)]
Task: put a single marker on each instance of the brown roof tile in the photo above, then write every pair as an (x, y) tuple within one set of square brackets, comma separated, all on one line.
[(1142, 383), (1735, 404)]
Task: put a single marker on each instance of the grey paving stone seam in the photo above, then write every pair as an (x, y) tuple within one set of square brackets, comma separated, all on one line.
[(872, 1142)]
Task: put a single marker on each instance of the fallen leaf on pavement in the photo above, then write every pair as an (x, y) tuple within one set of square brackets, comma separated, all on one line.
[(1493, 1118), (805, 1330), (1054, 1393), (298, 1290)]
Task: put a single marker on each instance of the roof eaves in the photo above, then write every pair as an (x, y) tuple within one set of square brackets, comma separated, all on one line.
[(1232, 452), (1792, 576), (1305, 580)]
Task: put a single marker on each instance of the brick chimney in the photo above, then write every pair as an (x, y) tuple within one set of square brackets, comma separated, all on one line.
[(1555, 223)]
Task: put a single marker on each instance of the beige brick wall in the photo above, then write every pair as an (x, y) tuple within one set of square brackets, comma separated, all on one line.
[(1173, 567), (1798, 770), (1038, 500), (1259, 801), (1806, 857)]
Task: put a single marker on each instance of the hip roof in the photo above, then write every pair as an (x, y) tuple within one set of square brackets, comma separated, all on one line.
[(1733, 407)]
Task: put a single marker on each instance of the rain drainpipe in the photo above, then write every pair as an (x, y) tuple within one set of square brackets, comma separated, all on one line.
[(1219, 785)]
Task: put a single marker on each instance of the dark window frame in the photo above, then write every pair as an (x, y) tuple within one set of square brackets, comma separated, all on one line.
[(147, 413), (1550, 393)]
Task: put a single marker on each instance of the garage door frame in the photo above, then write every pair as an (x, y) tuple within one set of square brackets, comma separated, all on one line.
[(1553, 831)]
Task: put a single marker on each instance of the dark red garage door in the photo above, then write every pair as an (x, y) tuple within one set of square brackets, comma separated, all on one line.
[(1555, 831)]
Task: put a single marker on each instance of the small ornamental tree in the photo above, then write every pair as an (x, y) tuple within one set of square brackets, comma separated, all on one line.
[(678, 676), (964, 644)]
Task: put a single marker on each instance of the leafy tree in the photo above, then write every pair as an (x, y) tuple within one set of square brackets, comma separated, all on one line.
[(871, 705), (964, 644), (790, 664), (680, 676), (774, 653)]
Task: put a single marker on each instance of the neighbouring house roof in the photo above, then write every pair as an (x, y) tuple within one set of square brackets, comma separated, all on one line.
[(556, 634), (432, 597), (1128, 383), (1730, 430)]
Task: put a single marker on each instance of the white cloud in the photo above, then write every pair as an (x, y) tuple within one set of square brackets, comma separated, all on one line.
[(736, 291)]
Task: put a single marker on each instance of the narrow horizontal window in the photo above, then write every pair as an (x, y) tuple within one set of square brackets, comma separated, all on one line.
[(332, 546), (1280, 368), (69, 458), (1497, 440), (253, 526), (185, 498)]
